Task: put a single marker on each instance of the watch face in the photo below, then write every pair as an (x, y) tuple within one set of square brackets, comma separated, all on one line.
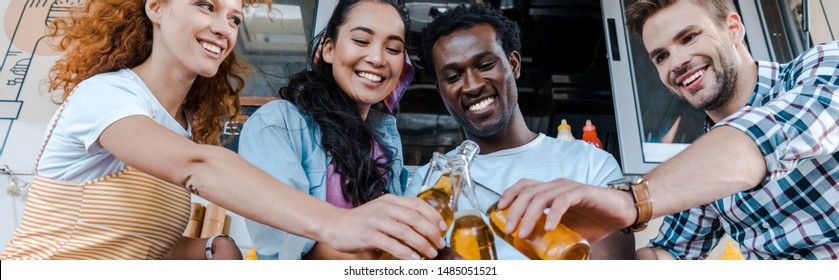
[(626, 180)]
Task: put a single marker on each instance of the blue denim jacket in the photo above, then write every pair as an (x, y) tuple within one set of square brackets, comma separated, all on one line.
[(281, 141)]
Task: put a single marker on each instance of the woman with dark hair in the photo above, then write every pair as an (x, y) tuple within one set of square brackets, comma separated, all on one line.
[(146, 86), (333, 135)]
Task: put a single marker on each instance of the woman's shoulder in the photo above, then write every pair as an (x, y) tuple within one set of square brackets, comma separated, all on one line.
[(111, 88), (122, 79), (117, 85), (278, 109), (281, 113)]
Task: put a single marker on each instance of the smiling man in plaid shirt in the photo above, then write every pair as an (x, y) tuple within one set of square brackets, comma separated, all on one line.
[(767, 171)]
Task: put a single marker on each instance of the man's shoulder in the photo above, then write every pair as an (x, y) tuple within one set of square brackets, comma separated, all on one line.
[(573, 148), (821, 56)]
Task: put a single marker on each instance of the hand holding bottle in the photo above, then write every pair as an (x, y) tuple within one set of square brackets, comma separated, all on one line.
[(404, 227), (592, 212)]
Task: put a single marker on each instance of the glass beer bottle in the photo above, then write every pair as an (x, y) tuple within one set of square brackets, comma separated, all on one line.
[(439, 195), (469, 149), (471, 237), (443, 195), (559, 244)]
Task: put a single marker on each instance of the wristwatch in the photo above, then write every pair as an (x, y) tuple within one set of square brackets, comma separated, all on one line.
[(208, 249), (638, 187)]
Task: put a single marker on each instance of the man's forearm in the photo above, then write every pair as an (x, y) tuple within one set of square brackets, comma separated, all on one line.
[(723, 162)]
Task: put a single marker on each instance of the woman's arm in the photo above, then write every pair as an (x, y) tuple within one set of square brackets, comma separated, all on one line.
[(398, 225)]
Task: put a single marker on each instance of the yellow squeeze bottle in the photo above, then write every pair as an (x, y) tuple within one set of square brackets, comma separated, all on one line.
[(731, 253), (251, 256), (563, 131)]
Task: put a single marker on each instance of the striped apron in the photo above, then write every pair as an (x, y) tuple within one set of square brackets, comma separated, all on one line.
[(125, 215)]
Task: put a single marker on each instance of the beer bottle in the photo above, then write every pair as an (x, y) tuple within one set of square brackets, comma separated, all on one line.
[(442, 196), (471, 237), (439, 195), (559, 244), (469, 149)]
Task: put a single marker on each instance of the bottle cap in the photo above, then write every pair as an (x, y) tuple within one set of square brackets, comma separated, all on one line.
[(563, 125), (589, 127)]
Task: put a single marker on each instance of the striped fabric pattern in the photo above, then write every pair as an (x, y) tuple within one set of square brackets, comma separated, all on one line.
[(126, 215)]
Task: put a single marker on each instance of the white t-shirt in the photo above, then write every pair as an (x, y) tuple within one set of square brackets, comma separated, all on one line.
[(543, 159), (73, 152)]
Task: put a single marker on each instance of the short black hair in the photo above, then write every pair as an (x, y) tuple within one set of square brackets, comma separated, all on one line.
[(465, 17)]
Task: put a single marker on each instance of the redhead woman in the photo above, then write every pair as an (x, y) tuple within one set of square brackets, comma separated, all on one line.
[(146, 86)]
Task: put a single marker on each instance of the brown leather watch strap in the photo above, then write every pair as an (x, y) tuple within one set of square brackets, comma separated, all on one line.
[(644, 205)]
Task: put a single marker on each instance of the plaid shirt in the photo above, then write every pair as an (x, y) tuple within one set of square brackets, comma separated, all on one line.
[(792, 117)]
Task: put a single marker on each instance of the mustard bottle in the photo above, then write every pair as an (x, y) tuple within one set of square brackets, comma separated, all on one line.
[(731, 253)]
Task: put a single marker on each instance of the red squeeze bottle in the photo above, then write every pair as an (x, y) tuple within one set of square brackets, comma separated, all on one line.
[(590, 135)]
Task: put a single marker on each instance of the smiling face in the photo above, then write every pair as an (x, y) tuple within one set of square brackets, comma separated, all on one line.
[(199, 34), (477, 79), (367, 57), (694, 55)]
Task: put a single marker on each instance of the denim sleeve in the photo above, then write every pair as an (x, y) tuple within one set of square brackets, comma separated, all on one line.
[(266, 142), (691, 234)]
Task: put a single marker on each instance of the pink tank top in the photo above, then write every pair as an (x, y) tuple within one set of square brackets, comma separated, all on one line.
[(334, 194)]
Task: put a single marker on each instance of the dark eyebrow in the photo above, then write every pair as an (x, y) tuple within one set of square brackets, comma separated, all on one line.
[(690, 28), (371, 32), (655, 52), (365, 29), (478, 56), (397, 38), (682, 33)]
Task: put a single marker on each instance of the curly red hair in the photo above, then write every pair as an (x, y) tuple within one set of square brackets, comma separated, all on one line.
[(110, 35)]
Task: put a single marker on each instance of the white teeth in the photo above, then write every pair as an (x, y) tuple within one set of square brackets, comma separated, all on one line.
[(370, 77), (693, 77), (481, 105), (212, 48)]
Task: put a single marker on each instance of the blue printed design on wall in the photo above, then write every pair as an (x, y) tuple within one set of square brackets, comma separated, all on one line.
[(26, 35)]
